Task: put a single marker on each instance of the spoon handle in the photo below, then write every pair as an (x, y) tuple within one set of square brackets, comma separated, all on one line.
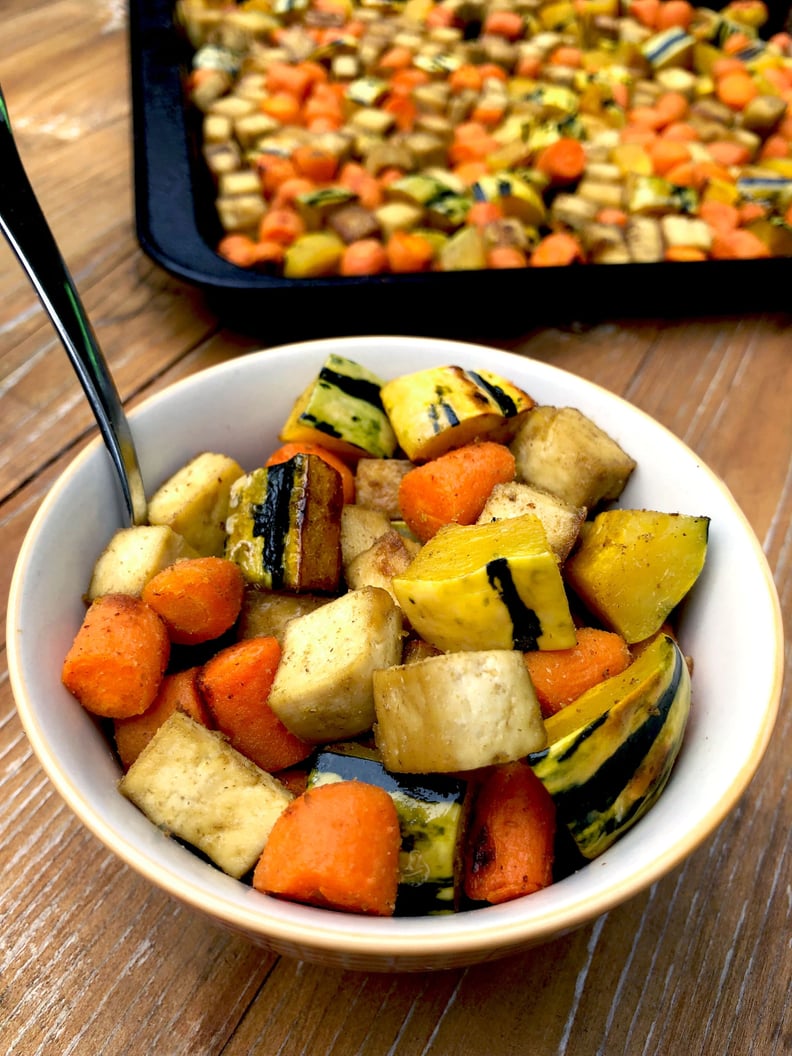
[(27, 231)]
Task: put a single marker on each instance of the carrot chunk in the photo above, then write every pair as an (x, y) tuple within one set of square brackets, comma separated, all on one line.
[(561, 675), (562, 161), (198, 598), (236, 684), (336, 846), (453, 487), (510, 841), (118, 657), (556, 249), (177, 692)]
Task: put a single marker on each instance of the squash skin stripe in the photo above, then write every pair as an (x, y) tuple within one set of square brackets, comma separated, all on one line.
[(357, 388), (506, 404), (271, 520)]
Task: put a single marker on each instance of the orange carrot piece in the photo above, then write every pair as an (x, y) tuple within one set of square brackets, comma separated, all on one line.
[(736, 90), (315, 163), (482, 213), (720, 216), (556, 250), (198, 599), (409, 252), (235, 684), (118, 657), (287, 77), (274, 170), (645, 11), (684, 253), (452, 488), (366, 256), (466, 77), (666, 154), (674, 14), (289, 450), (673, 106), (775, 146), (738, 245), (510, 841), (281, 225), (363, 183), (508, 24), (646, 117), (727, 152), (507, 257), (566, 55), (470, 172), (290, 190), (238, 249), (283, 106), (405, 81), (561, 675), (562, 161), (728, 64), (750, 211), (336, 846), (680, 132), (398, 57), (177, 692), (612, 215), (268, 251), (404, 110), (735, 43)]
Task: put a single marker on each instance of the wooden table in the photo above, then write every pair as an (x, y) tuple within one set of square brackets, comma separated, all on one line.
[(92, 960)]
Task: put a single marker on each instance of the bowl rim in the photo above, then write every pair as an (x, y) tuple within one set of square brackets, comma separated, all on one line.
[(308, 928)]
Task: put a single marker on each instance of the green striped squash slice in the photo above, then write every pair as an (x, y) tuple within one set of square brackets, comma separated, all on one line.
[(610, 753)]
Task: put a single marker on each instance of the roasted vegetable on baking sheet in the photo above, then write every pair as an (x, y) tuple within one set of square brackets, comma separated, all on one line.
[(436, 135)]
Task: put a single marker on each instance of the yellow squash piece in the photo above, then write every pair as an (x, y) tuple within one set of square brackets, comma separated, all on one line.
[(434, 410), (342, 410), (634, 566), (487, 586)]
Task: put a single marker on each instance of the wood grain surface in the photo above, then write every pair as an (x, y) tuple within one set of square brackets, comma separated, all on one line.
[(95, 961)]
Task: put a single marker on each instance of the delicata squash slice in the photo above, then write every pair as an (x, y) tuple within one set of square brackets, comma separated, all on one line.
[(407, 666)]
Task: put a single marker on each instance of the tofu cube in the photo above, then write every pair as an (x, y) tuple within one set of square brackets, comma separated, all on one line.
[(194, 501), (560, 520), (323, 686), (135, 555), (192, 784), (562, 451)]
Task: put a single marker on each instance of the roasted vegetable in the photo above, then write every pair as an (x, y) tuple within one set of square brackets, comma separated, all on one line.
[(456, 711), (194, 501), (284, 525), (633, 567), (610, 752), (487, 586), (562, 451), (434, 410), (134, 556), (432, 811), (323, 687), (191, 783), (342, 410)]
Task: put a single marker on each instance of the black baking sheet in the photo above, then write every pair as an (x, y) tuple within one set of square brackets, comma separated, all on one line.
[(177, 227)]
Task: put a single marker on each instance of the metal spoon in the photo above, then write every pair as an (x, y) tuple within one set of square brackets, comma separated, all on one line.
[(24, 225)]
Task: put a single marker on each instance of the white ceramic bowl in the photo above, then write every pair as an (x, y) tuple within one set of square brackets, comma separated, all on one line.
[(732, 627)]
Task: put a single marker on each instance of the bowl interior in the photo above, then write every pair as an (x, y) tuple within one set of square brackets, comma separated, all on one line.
[(731, 626)]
